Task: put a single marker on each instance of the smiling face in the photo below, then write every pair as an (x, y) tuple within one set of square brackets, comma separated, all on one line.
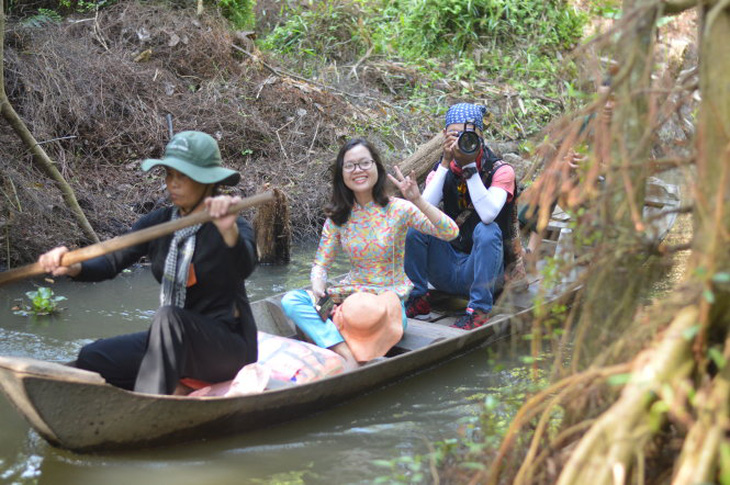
[(184, 192), (360, 181)]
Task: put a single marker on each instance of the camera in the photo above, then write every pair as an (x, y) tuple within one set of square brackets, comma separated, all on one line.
[(468, 141)]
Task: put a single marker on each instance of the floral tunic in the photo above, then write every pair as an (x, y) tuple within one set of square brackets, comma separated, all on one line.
[(374, 240)]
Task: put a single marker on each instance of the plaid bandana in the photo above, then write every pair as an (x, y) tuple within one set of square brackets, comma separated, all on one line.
[(177, 264)]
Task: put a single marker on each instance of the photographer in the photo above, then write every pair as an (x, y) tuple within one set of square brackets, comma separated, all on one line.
[(476, 189)]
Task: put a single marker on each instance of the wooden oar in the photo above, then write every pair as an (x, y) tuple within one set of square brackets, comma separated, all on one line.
[(132, 238)]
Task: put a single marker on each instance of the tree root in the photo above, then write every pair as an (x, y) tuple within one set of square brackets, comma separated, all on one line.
[(543, 403), (698, 461), (604, 455)]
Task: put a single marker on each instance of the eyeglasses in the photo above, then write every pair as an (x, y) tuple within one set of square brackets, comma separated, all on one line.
[(362, 164)]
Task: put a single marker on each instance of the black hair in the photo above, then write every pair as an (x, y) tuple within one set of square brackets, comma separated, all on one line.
[(340, 205)]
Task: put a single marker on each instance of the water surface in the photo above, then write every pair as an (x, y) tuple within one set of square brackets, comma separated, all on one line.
[(336, 446)]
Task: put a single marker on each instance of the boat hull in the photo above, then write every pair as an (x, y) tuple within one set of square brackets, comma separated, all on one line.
[(77, 410)]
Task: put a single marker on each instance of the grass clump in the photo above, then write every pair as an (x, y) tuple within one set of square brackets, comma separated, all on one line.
[(239, 12), (329, 31), (506, 35)]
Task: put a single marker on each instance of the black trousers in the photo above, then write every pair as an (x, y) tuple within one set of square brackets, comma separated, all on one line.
[(179, 344)]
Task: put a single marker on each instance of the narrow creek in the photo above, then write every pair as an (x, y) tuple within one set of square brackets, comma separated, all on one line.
[(337, 446)]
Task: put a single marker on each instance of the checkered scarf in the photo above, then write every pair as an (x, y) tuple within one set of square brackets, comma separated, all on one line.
[(177, 264)]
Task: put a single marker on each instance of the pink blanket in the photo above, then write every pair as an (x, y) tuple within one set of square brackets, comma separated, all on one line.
[(282, 361)]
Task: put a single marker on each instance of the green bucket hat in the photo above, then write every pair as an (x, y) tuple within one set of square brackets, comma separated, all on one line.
[(196, 155)]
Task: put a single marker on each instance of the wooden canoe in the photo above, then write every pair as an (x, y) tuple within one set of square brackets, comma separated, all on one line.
[(78, 410)]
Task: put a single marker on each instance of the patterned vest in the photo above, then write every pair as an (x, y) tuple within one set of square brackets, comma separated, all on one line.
[(457, 205)]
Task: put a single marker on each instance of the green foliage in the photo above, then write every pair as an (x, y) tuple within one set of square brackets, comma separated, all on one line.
[(511, 43), (329, 30), (715, 354), (431, 27), (42, 302), (403, 469), (720, 278), (477, 33), (691, 332), (724, 465), (657, 415), (84, 5), (239, 12), (43, 18), (610, 9), (619, 379)]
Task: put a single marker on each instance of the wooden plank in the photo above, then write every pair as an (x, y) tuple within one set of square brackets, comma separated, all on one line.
[(420, 334), (270, 318)]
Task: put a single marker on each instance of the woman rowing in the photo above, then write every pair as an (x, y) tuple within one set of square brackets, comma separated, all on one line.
[(204, 328), (370, 227)]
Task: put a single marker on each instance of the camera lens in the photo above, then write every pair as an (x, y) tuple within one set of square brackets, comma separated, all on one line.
[(468, 142)]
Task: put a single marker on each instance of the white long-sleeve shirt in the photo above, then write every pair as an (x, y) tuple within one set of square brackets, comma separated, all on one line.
[(488, 202)]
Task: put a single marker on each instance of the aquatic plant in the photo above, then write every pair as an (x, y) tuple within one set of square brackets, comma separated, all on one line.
[(42, 302)]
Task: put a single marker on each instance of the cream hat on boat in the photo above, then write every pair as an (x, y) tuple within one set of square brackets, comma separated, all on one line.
[(370, 324)]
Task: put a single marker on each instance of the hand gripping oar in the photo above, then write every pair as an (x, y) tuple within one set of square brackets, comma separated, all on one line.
[(132, 238)]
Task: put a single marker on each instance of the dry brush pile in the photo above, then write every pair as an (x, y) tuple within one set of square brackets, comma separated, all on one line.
[(96, 93)]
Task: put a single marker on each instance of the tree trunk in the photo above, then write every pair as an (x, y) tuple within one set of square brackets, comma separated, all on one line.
[(423, 160), (273, 231), (40, 157), (704, 453)]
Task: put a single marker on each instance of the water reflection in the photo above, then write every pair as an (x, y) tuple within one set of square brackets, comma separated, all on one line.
[(337, 446)]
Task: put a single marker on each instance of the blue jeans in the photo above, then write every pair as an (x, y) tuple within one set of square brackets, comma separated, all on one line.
[(298, 306), (473, 275)]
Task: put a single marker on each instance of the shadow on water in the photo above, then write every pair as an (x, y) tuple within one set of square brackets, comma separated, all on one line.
[(337, 446)]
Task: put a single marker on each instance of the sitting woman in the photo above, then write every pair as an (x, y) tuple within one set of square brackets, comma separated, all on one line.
[(370, 226), (204, 328)]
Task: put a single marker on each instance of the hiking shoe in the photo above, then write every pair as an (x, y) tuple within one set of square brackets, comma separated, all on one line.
[(471, 320), (418, 305)]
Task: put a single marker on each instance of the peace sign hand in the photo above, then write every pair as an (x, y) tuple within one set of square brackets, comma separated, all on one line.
[(407, 185)]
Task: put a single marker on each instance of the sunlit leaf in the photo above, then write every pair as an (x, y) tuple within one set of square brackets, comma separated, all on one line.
[(691, 332), (618, 379), (721, 278), (724, 475)]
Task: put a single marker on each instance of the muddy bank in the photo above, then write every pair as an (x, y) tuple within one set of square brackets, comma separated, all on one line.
[(96, 92)]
